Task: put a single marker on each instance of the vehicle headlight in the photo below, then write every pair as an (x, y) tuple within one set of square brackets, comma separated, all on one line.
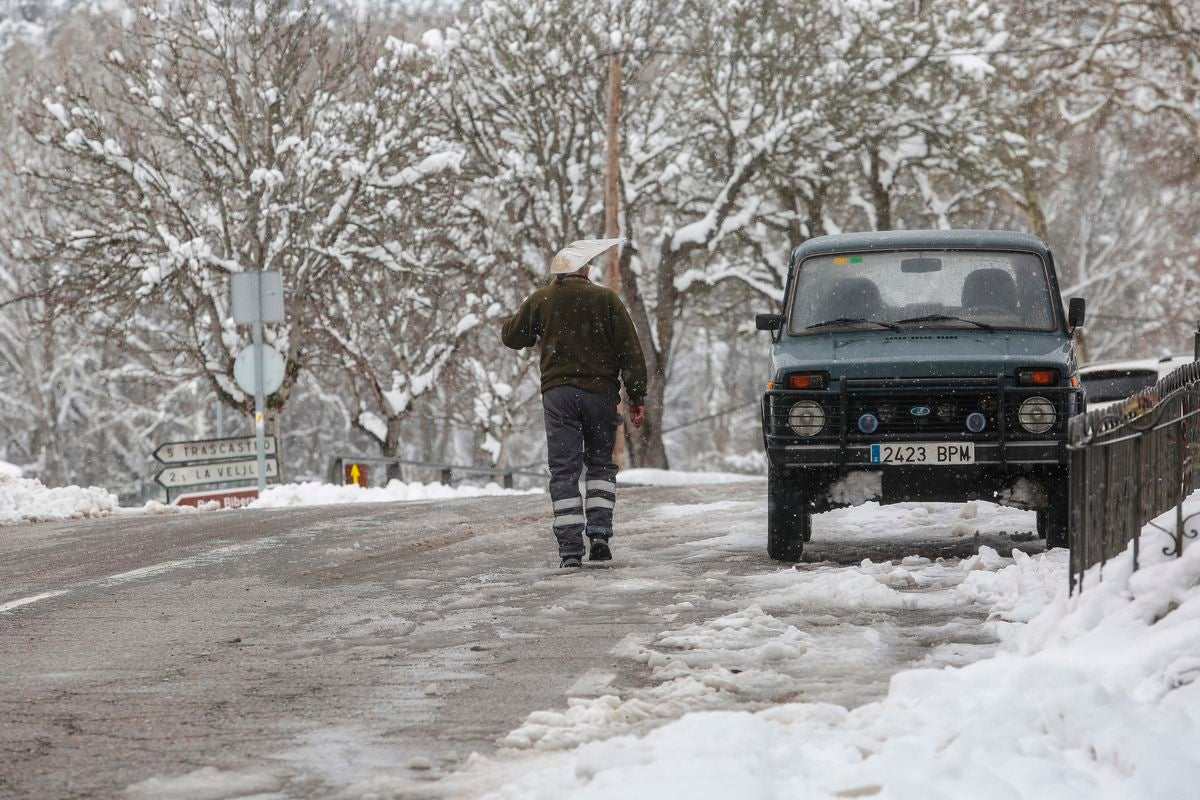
[(806, 418), (1037, 415)]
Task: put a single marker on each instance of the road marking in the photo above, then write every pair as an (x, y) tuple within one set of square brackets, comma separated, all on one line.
[(24, 601), (208, 557)]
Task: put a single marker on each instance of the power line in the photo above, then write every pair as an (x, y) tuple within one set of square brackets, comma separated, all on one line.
[(710, 416), (1120, 318)]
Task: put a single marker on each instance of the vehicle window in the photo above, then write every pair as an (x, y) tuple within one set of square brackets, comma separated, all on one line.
[(918, 289), (1116, 384)]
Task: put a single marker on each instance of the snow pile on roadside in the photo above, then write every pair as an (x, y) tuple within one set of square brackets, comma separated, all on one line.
[(645, 476), (28, 500), (8, 470), (321, 494), (857, 488), (1016, 593), (1095, 696), (206, 783)]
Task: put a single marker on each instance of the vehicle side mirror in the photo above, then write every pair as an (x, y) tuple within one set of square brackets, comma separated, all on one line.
[(1075, 313), (768, 322)]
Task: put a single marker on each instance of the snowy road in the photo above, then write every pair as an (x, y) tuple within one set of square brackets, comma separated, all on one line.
[(367, 651)]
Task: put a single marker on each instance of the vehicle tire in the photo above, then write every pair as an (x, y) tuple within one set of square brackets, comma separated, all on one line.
[(789, 518), (1052, 523)]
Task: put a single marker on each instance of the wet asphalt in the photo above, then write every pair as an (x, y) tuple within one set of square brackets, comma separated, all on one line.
[(322, 646)]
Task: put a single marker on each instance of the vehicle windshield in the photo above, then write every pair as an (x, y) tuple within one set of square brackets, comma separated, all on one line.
[(969, 289), (1116, 384)]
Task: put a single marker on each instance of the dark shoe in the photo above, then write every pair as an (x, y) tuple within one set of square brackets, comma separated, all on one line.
[(571, 561), (599, 551)]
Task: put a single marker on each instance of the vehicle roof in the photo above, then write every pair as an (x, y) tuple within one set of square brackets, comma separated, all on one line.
[(1163, 366), (921, 240)]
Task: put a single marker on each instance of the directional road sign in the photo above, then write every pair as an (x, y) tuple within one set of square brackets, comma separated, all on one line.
[(211, 449), (228, 498), (356, 474), (219, 472)]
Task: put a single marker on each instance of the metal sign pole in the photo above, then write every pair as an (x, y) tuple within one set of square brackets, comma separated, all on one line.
[(259, 416), (257, 298)]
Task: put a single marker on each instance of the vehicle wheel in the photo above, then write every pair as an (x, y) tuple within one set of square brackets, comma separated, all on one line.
[(789, 520), (1052, 523)]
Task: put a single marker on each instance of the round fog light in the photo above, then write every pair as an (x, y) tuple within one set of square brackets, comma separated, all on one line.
[(868, 423), (976, 422), (806, 418), (1036, 415)]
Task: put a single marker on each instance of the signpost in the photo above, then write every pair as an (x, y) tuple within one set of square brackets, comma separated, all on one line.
[(356, 474), (257, 297), (228, 498), (211, 449), (172, 477)]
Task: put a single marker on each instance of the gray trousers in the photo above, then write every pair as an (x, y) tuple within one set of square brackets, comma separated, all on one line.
[(581, 429)]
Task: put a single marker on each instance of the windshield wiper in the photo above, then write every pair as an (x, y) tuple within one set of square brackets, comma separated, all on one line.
[(946, 318), (851, 321)]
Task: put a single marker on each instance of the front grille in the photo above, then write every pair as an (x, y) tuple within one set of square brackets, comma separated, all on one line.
[(948, 411), (893, 402)]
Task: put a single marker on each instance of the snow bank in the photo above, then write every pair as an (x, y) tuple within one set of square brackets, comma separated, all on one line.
[(27, 500), (857, 488), (670, 477), (1091, 696), (206, 783), (320, 494), (8, 470)]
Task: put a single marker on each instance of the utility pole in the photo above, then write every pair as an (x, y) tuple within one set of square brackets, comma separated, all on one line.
[(612, 182), (612, 206)]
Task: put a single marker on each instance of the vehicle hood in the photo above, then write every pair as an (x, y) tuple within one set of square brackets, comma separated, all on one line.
[(923, 353)]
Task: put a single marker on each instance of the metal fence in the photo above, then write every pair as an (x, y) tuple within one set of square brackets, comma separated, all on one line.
[(394, 469), (1130, 464)]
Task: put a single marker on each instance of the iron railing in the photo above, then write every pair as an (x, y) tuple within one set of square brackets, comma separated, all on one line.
[(1130, 464)]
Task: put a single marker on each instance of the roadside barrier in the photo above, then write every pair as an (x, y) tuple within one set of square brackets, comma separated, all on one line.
[(1130, 464), (341, 466)]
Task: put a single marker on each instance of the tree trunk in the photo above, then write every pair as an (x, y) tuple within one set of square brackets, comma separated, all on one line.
[(881, 198), (391, 445), (645, 444)]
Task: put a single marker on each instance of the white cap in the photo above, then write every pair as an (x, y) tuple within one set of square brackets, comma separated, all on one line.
[(576, 255)]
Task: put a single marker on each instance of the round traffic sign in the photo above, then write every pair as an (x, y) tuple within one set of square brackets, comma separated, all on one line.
[(243, 369)]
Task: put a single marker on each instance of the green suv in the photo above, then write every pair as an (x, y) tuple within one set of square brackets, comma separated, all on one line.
[(919, 365)]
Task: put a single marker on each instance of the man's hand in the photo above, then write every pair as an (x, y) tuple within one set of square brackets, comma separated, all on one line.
[(637, 415)]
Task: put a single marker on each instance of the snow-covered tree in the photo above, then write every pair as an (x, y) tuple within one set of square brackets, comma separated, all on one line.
[(221, 137)]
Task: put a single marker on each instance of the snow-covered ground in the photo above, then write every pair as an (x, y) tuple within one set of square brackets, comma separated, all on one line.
[(669, 477), (321, 494), (1059, 697), (28, 500)]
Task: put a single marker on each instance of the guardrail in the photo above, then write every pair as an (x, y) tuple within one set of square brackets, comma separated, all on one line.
[(1130, 464), (339, 463)]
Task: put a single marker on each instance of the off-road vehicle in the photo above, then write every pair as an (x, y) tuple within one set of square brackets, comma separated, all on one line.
[(919, 366)]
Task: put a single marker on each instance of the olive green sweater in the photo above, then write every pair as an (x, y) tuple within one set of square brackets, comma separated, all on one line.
[(586, 336)]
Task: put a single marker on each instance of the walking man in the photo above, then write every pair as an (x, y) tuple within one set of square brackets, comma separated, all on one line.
[(588, 349)]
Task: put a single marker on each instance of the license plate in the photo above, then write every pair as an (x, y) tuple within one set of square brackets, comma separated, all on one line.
[(936, 453)]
